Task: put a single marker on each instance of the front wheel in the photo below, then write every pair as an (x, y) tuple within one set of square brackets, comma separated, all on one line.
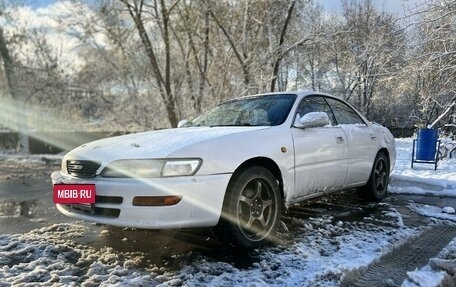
[(251, 209), (376, 187)]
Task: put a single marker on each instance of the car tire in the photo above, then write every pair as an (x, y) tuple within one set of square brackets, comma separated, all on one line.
[(377, 187), (251, 209)]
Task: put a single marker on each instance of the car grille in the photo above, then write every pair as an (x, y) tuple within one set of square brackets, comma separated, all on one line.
[(82, 168), (92, 209), (109, 199)]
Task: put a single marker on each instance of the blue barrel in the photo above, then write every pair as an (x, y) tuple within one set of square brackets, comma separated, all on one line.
[(426, 144)]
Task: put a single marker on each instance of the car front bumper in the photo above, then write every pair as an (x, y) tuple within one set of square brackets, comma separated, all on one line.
[(200, 206)]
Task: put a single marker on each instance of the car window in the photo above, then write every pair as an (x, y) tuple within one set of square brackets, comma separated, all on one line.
[(265, 110), (343, 113), (315, 104)]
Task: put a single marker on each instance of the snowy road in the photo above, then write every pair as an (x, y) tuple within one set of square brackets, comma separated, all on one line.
[(338, 240)]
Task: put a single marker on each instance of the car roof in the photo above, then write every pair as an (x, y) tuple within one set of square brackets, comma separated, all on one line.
[(300, 94)]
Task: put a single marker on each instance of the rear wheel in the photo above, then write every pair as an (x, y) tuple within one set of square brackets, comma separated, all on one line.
[(251, 209), (377, 186)]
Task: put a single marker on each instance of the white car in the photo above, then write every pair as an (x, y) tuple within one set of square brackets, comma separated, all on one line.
[(235, 167)]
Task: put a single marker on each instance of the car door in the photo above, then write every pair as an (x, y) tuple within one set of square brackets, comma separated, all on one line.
[(361, 142), (320, 152)]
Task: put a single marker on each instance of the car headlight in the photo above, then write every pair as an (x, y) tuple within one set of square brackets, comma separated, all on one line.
[(177, 167), (147, 168), (63, 167), (133, 168)]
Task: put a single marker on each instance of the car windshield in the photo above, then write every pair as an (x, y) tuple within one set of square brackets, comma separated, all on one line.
[(266, 110)]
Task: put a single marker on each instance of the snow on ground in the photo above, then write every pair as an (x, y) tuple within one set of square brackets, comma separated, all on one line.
[(322, 250), (48, 256), (319, 256), (10, 155), (422, 179), (440, 271), (432, 211)]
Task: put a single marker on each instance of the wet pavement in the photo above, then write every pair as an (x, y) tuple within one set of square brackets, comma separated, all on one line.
[(26, 205)]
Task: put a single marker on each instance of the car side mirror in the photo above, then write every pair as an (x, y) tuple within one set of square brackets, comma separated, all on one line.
[(313, 120), (181, 123)]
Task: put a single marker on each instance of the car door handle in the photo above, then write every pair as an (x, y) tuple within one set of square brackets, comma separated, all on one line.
[(373, 137), (339, 140)]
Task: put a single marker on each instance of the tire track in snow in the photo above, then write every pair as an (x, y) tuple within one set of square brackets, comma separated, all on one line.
[(391, 269)]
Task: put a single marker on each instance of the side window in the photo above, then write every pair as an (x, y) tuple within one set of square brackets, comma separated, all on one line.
[(315, 104), (344, 114)]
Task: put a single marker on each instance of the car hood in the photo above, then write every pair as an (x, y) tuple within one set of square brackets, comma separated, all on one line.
[(154, 144)]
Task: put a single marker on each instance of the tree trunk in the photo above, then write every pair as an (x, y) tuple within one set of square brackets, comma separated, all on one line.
[(202, 65), (451, 105), (242, 58), (163, 81), (170, 98), (279, 54), (205, 62)]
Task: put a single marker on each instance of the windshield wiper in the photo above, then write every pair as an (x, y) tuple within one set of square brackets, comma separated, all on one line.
[(234, 125)]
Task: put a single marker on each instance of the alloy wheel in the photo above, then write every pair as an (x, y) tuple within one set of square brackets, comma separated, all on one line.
[(256, 209), (381, 176)]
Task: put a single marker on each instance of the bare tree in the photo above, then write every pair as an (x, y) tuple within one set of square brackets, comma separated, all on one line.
[(280, 52), (433, 60), (163, 78), (313, 58), (372, 49), (240, 48), (200, 52)]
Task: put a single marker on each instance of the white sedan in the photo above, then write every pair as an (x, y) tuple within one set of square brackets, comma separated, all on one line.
[(235, 167)]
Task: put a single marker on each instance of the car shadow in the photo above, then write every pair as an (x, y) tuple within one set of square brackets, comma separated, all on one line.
[(171, 249)]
